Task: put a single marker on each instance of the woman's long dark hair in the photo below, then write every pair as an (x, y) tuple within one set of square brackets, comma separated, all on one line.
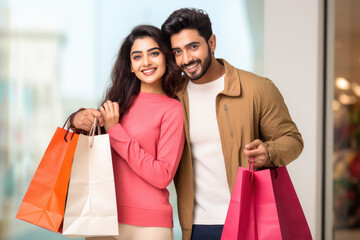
[(125, 85)]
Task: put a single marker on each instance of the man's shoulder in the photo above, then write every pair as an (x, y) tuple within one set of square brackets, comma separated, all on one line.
[(252, 79), (249, 81), (241, 73)]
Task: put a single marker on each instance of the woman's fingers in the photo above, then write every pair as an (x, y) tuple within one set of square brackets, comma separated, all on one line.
[(106, 107), (110, 113), (116, 109), (110, 106), (110, 109)]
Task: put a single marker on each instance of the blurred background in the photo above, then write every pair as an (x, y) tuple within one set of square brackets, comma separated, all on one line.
[(56, 56)]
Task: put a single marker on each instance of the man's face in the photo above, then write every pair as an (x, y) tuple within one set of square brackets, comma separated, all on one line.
[(192, 53)]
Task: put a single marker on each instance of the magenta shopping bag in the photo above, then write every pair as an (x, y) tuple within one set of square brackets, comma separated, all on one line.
[(273, 210), (278, 211)]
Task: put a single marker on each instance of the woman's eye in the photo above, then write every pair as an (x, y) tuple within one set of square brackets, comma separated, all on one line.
[(136, 57), (154, 54)]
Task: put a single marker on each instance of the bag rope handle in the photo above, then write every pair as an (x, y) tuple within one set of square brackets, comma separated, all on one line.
[(251, 163), (71, 119), (94, 127)]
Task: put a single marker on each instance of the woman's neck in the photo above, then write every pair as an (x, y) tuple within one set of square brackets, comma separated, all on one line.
[(152, 88)]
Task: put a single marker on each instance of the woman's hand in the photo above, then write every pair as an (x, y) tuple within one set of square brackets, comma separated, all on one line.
[(85, 119), (110, 113)]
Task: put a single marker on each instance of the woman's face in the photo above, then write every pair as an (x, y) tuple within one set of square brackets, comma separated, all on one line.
[(147, 62)]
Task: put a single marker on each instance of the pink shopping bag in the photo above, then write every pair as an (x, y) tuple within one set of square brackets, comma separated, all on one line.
[(264, 206), (240, 219)]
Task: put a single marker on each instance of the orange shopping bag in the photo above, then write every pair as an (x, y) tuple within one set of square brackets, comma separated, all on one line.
[(44, 201)]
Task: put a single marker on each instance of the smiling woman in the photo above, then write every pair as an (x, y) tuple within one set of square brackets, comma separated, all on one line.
[(145, 125), (149, 64), (145, 64), (56, 56)]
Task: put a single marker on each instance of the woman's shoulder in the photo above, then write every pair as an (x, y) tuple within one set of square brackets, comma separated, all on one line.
[(160, 103), (173, 107), (174, 102)]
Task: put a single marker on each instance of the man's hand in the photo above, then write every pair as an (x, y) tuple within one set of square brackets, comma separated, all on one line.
[(110, 114), (85, 119), (258, 150)]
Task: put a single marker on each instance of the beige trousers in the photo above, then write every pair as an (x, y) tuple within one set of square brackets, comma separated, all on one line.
[(131, 232)]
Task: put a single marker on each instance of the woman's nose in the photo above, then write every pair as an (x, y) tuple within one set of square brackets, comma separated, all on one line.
[(147, 61)]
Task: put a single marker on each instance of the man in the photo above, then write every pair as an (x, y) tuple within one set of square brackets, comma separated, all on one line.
[(230, 116)]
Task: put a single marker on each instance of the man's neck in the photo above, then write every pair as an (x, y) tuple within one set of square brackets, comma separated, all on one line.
[(215, 71)]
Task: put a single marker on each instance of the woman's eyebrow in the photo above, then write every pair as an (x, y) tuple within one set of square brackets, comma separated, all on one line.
[(149, 50)]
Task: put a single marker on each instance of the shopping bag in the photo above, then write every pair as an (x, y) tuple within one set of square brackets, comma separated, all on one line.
[(44, 201), (240, 217), (91, 203), (278, 211)]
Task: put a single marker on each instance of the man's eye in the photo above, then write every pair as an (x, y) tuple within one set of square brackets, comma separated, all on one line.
[(177, 52), (194, 47)]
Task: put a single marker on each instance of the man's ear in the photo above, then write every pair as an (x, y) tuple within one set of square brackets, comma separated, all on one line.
[(212, 43)]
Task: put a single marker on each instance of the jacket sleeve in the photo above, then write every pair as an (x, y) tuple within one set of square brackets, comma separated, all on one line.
[(278, 131), (159, 171)]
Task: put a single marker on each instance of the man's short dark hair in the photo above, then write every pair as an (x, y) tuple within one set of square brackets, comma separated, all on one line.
[(188, 18)]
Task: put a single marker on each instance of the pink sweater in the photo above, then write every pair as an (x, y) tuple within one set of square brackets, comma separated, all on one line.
[(146, 149)]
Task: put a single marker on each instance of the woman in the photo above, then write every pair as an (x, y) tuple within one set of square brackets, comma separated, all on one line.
[(145, 126)]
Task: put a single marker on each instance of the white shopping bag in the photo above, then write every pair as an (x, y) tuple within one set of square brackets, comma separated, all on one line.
[(91, 202)]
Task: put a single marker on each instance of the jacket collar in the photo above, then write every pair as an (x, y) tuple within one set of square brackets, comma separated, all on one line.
[(232, 81)]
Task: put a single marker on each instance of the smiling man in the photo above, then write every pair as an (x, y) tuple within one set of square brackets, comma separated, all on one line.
[(195, 58), (230, 117)]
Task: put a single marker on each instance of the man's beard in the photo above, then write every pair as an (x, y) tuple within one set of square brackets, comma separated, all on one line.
[(205, 66)]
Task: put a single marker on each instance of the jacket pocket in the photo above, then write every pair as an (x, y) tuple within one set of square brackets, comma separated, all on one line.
[(228, 119)]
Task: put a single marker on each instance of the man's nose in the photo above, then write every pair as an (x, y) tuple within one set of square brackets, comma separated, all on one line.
[(187, 58)]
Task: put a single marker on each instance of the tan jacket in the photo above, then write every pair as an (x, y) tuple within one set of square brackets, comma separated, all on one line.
[(250, 107)]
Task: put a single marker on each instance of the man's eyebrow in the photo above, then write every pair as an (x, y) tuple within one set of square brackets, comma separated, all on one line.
[(149, 50), (187, 45), (192, 43)]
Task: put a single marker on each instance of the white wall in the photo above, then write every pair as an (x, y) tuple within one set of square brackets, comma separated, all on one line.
[(293, 60)]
